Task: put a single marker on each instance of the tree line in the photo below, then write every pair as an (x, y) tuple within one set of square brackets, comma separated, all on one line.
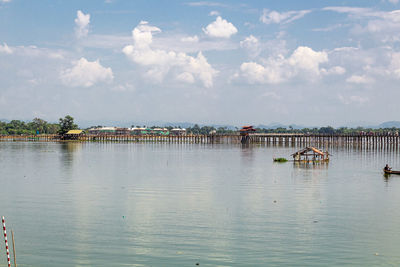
[(37, 126), (196, 129), (40, 126)]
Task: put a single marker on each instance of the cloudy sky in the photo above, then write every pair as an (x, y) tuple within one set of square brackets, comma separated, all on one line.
[(228, 62)]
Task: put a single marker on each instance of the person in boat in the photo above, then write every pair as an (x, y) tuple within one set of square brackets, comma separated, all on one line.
[(387, 168)]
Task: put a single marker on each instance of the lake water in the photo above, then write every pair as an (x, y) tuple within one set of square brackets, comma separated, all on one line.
[(111, 204)]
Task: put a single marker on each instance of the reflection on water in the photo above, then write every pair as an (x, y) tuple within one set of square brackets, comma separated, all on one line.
[(311, 165), (109, 204), (67, 152)]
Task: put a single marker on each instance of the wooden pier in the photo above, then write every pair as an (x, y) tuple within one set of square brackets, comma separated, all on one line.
[(367, 141)]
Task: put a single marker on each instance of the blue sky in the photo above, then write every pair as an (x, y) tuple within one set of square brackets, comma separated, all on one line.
[(225, 62)]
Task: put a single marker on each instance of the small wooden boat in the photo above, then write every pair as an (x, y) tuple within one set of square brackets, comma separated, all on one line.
[(391, 172)]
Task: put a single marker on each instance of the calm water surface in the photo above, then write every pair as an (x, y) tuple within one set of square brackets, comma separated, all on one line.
[(90, 204)]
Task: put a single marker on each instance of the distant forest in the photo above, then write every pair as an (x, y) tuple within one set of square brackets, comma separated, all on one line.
[(17, 127), (40, 126), (323, 130)]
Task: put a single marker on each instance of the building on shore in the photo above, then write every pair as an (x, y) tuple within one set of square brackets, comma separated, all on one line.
[(135, 131), (160, 131), (139, 131), (122, 131), (102, 130), (178, 131)]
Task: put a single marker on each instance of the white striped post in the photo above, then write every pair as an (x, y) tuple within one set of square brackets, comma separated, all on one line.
[(5, 239)]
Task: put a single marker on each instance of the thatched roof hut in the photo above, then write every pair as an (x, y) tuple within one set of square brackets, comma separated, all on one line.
[(310, 154)]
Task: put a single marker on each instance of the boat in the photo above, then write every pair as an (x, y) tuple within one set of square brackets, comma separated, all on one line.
[(391, 172)]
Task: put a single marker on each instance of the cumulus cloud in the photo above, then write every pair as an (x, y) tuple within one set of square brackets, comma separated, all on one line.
[(161, 62), (5, 1), (5, 49), (186, 77), (257, 73), (307, 59), (252, 45), (82, 24), (86, 73), (303, 60), (269, 17), (359, 79), (220, 28)]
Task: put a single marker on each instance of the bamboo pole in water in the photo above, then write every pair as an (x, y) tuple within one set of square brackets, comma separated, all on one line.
[(13, 243)]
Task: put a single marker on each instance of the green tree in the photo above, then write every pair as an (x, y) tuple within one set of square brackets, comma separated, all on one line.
[(67, 124), (38, 125)]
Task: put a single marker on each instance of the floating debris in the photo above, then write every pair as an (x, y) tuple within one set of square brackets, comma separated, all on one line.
[(280, 160)]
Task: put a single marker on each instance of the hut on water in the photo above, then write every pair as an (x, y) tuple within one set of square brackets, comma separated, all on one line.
[(72, 135), (311, 154)]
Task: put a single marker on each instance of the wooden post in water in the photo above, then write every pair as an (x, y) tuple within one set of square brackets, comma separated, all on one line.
[(13, 243)]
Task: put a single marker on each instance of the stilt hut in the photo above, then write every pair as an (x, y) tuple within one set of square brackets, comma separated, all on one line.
[(244, 133), (310, 154), (73, 135)]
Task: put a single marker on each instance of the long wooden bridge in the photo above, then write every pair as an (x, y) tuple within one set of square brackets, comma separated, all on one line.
[(392, 141)]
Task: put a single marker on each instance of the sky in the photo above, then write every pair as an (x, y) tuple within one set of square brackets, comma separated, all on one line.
[(314, 62)]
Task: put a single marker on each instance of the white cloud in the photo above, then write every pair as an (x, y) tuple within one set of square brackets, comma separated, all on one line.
[(329, 28), (5, 1), (354, 11), (190, 39), (252, 45), (337, 70), (269, 17), (185, 77), (206, 3), (354, 99), (393, 1), (383, 26), (33, 51), (161, 62), (85, 73), (220, 28), (214, 13), (82, 24), (307, 59), (303, 62), (256, 73), (123, 87), (5, 49), (272, 95), (394, 66), (359, 79)]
